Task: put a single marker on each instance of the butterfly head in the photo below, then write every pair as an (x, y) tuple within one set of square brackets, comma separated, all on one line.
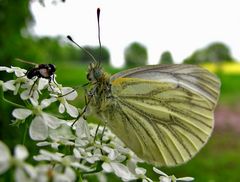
[(95, 73)]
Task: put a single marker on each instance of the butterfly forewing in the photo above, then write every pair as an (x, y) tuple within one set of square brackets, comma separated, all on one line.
[(188, 76), (163, 113)]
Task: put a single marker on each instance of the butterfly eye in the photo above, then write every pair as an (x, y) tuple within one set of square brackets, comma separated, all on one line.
[(97, 74)]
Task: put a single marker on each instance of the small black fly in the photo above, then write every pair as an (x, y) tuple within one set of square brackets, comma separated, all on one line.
[(40, 71)]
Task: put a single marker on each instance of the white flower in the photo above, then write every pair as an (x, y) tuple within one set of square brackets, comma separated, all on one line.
[(139, 173), (21, 113), (45, 155), (13, 85), (63, 163), (165, 178), (58, 173), (68, 174), (68, 95), (32, 90), (185, 179), (39, 127), (23, 171), (19, 72), (119, 169), (112, 163), (5, 158), (82, 129), (61, 136), (8, 85)]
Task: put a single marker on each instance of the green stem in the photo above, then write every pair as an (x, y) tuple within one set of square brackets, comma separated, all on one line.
[(80, 178), (10, 102), (25, 134)]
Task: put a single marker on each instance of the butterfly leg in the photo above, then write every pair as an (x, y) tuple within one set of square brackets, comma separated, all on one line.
[(104, 128), (83, 112), (73, 90), (95, 136)]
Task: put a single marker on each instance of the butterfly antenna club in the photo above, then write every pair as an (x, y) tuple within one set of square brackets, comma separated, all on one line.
[(85, 50), (99, 35)]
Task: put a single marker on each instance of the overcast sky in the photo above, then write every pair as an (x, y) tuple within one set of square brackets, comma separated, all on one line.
[(180, 26)]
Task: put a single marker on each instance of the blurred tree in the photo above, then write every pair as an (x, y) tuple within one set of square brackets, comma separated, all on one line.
[(14, 17), (135, 55), (215, 52), (166, 58), (104, 56), (17, 42)]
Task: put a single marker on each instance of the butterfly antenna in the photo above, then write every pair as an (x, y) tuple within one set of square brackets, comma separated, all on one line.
[(99, 35), (23, 61), (85, 50)]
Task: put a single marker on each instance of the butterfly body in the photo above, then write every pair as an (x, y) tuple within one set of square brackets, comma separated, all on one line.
[(164, 113)]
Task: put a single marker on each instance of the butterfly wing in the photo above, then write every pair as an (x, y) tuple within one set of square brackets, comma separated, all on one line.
[(163, 113)]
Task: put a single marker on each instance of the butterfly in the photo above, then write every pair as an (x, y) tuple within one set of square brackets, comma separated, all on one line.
[(163, 113)]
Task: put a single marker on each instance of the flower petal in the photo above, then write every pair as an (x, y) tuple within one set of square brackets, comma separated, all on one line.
[(20, 175), (70, 94), (38, 129), (18, 71), (69, 172), (64, 132), (46, 155), (4, 68), (25, 95), (52, 121), (61, 108), (107, 167), (43, 144), (4, 158), (21, 113), (76, 153), (31, 171), (165, 179), (20, 152), (122, 171), (17, 88), (156, 170), (71, 110), (185, 179), (46, 102), (35, 95), (9, 85), (82, 129), (42, 83), (34, 102), (140, 171)]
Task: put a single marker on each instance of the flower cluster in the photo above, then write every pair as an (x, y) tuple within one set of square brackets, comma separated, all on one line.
[(66, 152)]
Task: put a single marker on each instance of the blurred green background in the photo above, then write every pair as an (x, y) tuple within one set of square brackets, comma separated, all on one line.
[(218, 161)]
